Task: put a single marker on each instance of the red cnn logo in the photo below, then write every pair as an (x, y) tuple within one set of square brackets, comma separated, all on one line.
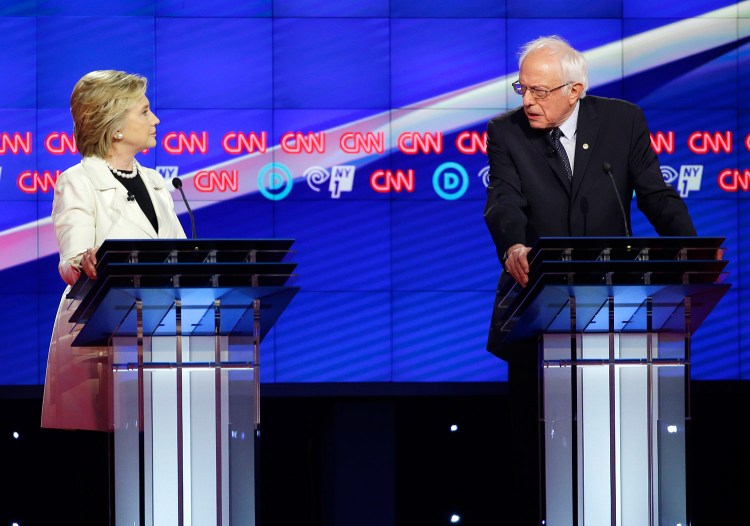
[(734, 180), (412, 143), (58, 143), (471, 142), (356, 142), (181, 142), (221, 180), (238, 142), (662, 143), (15, 143), (296, 142), (32, 182), (704, 142), (384, 181)]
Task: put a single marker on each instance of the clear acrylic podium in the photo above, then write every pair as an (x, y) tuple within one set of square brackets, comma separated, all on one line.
[(184, 320), (614, 319)]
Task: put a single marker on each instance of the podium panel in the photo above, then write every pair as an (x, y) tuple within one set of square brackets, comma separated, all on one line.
[(197, 439), (624, 443), (614, 320), (184, 321)]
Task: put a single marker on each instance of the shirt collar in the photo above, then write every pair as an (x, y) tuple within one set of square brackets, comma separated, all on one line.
[(570, 126)]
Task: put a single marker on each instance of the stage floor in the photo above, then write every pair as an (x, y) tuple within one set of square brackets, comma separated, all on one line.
[(361, 455)]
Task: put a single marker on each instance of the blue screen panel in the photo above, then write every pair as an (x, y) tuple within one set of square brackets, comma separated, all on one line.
[(214, 9), (435, 56), (337, 336), (17, 7), (680, 77), (431, 9), (20, 340), (554, 9), (453, 254), (648, 9), (442, 337), (18, 55), (95, 8), (340, 246), (224, 64), (65, 52), (331, 63), (330, 8)]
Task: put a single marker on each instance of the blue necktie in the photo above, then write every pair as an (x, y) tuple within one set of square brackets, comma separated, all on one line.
[(556, 134)]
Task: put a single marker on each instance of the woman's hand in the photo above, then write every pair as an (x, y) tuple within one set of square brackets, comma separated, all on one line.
[(88, 262)]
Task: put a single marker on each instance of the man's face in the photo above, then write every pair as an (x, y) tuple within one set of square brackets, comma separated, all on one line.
[(542, 71)]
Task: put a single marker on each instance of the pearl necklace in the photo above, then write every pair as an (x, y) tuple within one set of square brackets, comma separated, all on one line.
[(124, 175)]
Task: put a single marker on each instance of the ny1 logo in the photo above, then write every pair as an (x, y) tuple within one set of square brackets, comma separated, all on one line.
[(339, 179), (687, 179)]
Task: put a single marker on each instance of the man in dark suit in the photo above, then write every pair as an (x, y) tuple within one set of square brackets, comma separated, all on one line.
[(558, 167)]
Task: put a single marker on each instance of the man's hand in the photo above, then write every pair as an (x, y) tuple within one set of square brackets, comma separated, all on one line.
[(517, 265)]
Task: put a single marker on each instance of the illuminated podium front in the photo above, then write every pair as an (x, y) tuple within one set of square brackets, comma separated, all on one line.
[(184, 320), (613, 319)]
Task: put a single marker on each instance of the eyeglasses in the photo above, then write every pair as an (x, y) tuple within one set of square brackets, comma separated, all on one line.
[(537, 93)]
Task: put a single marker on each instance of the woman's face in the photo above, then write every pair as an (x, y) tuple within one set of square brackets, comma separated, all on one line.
[(139, 128)]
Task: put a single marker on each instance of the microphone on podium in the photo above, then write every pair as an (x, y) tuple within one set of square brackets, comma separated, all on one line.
[(177, 183), (608, 170)]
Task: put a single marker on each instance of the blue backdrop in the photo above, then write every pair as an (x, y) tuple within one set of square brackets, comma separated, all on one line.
[(356, 128)]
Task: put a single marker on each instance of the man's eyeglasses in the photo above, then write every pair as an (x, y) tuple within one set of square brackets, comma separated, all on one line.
[(537, 93)]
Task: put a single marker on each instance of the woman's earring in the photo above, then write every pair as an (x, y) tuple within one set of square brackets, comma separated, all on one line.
[(118, 135)]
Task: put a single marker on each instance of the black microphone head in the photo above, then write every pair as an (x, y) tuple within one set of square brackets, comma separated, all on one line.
[(177, 182), (550, 152), (606, 167)]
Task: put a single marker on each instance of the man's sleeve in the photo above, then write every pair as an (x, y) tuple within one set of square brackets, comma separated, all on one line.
[(658, 201), (504, 211)]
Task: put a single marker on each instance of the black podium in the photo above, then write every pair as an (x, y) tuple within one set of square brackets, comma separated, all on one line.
[(614, 319), (184, 320)]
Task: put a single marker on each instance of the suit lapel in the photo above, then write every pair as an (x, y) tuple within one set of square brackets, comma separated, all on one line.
[(586, 134), (541, 140), (128, 211)]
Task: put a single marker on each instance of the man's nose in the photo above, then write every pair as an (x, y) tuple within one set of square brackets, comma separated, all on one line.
[(528, 98)]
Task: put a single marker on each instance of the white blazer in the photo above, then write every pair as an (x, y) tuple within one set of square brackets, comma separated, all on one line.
[(90, 205)]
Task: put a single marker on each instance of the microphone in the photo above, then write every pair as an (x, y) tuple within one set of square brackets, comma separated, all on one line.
[(608, 170), (177, 183), (131, 196), (550, 151)]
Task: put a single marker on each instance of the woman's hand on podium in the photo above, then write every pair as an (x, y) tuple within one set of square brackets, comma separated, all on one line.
[(88, 262)]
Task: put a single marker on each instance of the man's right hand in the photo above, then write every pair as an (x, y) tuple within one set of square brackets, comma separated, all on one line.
[(517, 265)]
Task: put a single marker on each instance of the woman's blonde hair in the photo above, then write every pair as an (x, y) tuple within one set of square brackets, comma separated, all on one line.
[(98, 106)]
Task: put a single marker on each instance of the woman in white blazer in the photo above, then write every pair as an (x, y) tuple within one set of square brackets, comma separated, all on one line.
[(108, 195)]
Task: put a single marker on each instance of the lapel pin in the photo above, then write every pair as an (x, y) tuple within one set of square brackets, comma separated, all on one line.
[(585, 146)]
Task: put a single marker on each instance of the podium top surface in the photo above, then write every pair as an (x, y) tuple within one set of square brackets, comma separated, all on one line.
[(197, 275), (155, 252), (641, 275), (195, 250)]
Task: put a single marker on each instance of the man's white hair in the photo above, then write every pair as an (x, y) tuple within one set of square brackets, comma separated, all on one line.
[(573, 65)]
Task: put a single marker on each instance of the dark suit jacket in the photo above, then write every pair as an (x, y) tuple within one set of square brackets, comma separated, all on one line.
[(529, 195)]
